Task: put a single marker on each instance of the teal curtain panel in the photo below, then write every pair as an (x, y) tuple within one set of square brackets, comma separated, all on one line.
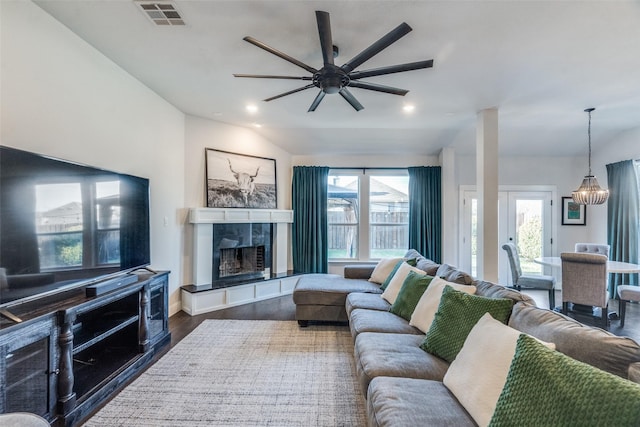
[(622, 219), (309, 230), (425, 211)]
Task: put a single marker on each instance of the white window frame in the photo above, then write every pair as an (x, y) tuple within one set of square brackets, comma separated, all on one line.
[(364, 220)]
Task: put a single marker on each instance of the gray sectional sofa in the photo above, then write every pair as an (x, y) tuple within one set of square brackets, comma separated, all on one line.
[(402, 383)]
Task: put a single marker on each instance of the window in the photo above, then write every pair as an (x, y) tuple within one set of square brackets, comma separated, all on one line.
[(368, 214), (64, 224), (108, 222), (59, 226)]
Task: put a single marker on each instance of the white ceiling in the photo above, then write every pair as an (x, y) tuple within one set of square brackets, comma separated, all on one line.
[(541, 63)]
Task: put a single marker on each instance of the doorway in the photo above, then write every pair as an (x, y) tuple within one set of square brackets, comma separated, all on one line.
[(524, 218)]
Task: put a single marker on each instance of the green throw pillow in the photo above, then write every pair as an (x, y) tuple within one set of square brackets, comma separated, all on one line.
[(411, 261), (384, 284), (412, 289), (545, 387), (457, 313)]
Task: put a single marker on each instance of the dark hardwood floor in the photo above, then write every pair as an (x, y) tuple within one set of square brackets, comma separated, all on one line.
[(282, 308)]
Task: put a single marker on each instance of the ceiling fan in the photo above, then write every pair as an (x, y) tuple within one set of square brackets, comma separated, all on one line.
[(332, 79)]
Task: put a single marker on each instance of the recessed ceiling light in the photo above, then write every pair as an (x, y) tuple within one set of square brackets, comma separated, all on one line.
[(257, 125), (408, 108), (252, 108)]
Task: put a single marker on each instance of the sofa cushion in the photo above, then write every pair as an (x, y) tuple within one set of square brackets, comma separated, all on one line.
[(386, 282), (545, 387), (413, 402), (428, 266), (457, 314), (452, 274), (383, 269), (366, 300), (363, 320), (391, 293), (594, 346), (491, 290), (394, 355), (412, 289), (478, 388), (329, 289), (428, 304)]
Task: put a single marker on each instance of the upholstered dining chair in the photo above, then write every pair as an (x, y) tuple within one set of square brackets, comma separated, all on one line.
[(627, 293), (584, 282), (593, 248), (529, 281)]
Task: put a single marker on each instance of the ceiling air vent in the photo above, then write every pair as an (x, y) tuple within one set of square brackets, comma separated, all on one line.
[(161, 13)]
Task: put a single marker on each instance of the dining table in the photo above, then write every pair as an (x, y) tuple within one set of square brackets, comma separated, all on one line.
[(612, 266)]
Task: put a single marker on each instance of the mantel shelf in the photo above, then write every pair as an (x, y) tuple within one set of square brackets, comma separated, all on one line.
[(239, 215)]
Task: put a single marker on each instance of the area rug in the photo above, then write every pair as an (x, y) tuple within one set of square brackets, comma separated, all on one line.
[(246, 373)]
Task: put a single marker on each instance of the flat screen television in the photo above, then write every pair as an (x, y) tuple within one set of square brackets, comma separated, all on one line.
[(64, 225)]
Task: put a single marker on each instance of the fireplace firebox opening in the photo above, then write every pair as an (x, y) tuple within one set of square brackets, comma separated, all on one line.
[(241, 252)]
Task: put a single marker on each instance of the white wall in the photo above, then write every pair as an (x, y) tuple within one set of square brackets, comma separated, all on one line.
[(63, 98), (376, 161), (203, 133)]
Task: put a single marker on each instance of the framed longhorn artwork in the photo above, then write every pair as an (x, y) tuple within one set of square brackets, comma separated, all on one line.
[(239, 180)]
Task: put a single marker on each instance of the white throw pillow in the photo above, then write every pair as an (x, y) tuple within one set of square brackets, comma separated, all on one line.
[(391, 292), (383, 269), (427, 306), (477, 375)]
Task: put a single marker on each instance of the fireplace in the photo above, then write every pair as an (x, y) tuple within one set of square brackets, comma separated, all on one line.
[(241, 252)]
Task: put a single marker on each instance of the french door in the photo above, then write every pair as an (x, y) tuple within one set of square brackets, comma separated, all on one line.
[(524, 218)]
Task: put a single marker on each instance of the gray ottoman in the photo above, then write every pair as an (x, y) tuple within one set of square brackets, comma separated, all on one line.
[(322, 297)]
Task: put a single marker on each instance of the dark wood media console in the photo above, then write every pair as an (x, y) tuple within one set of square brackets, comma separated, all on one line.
[(73, 352)]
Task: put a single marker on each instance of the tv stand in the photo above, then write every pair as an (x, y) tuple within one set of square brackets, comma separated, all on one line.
[(65, 363)]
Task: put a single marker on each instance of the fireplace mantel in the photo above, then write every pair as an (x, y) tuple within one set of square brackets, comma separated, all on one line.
[(239, 215)]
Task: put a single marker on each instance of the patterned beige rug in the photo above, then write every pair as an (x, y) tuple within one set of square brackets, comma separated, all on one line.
[(246, 373)]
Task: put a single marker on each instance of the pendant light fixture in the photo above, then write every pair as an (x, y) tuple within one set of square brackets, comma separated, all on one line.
[(589, 192)]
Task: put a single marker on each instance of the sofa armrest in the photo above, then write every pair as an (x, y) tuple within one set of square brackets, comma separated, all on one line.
[(358, 271)]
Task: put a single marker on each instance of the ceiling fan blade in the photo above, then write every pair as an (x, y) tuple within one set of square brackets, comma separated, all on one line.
[(326, 41), (280, 54), (316, 102), (289, 93), (388, 39), (264, 76), (350, 99), (378, 88), (391, 69)]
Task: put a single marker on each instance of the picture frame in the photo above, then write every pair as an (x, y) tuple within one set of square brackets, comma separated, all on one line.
[(573, 213), (235, 180)]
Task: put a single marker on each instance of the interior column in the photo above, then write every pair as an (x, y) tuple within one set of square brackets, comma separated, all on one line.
[(487, 188), (449, 207)]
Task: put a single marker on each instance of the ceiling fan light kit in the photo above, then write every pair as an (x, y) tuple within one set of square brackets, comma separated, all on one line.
[(332, 79), (590, 192)]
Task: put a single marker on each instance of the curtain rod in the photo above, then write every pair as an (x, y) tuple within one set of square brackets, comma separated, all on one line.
[(364, 170)]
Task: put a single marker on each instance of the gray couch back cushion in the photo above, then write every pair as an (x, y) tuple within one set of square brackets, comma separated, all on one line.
[(594, 346), (452, 274), (491, 290), (424, 264)]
